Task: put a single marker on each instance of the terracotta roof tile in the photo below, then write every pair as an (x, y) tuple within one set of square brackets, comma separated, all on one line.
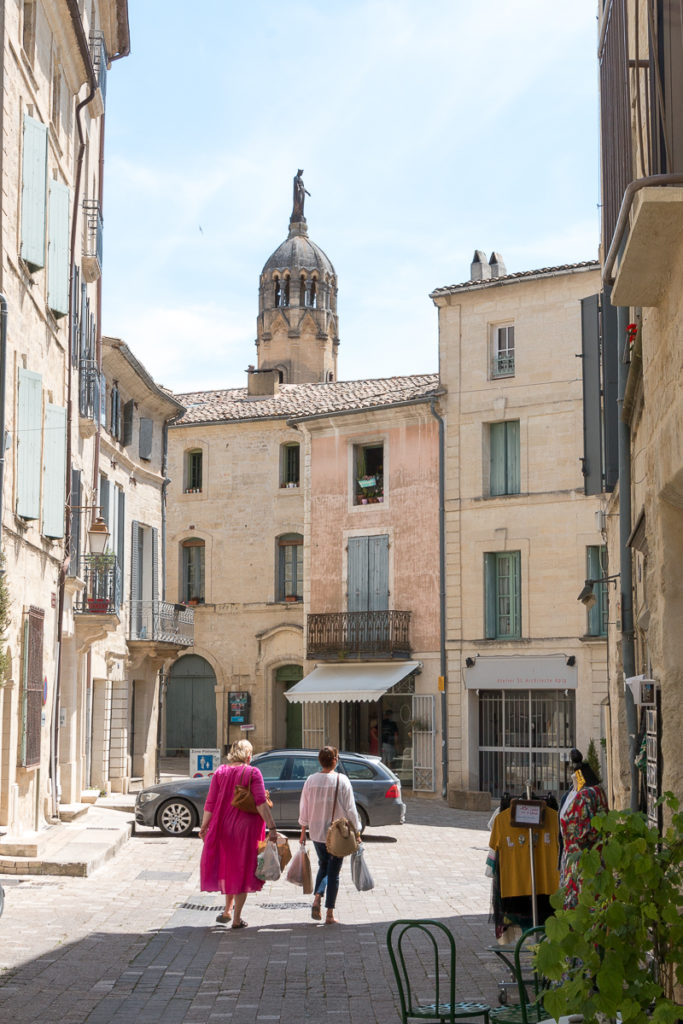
[(299, 401)]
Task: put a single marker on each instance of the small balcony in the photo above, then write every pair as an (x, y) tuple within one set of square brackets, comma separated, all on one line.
[(383, 634), (162, 622), (91, 262), (503, 365), (102, 592), (88, 393)]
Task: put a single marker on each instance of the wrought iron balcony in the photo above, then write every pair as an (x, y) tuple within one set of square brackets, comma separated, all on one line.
[(88, 389), (362, 634), (91, 263), (102, 592), (162, 622)]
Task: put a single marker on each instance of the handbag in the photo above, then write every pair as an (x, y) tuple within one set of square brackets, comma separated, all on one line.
[(360, 872), (242, 797), (342, 838)]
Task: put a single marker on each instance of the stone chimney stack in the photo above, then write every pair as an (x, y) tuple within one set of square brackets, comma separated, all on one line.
[(262, 383), (479, 267), (497, 266)]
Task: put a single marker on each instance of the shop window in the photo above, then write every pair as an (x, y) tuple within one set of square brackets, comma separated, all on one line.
[(193, 471), (368, 473), (289, 465), (290, 567), (502, 595), (504, 458)]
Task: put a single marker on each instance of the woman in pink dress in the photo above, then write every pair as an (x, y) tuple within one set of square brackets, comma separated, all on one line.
[(231, 836)]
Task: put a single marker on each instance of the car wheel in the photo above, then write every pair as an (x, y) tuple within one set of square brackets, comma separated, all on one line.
[(176, 818), (364, 820)]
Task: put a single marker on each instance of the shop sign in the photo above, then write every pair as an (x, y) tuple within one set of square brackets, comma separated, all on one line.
[(496, 672)]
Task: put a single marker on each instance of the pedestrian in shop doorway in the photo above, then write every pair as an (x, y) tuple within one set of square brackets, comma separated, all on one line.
[(389, 737), (373, 742)]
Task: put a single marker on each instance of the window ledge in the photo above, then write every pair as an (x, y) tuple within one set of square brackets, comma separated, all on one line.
[(654, 236), (591, 638)]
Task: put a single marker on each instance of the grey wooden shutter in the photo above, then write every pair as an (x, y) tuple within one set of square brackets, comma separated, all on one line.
[(127, 436), (58, 249), (121, 538), (75, 323), (497, 459), (610, 384), (146, 433), (512, 456), (33, 687), (490, 589), (357, 574), (105, 494), (592, 411), (54, 471), (378, 573), (74, 502), (155, 564), (29, 437), (33, 193)]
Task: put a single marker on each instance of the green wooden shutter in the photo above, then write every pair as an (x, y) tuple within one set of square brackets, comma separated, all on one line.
[(33, 193), (54, 471), (105, 492), (490, 594), (378, 573), (58, 249), (75, 503), (357, 574), (497, 445), (29, 437), (512, 456), (155, 564), (597, 615)]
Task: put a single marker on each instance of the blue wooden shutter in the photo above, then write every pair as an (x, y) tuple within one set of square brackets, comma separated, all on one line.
[(105, 493), (29, 436), (54, 471), (378, 573), (121, 538), (497, 446), (58, 249), (490, 594), (357, 574), (512, 456), (597, 615), (75, 502), (33, 193), (146, 432), (155, 564)]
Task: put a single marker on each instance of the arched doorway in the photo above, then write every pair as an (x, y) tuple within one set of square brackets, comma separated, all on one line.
[(287, 730), (190, 706)]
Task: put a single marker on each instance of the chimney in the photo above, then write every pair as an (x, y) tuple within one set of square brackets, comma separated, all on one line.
[(479, 267), (262, 383), (497, 265)]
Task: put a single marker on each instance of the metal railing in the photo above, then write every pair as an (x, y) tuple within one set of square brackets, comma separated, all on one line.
[(503, 365), (92, 249), (99, 61), (371, 634), (88, 389), (162, 621), (102, 592)]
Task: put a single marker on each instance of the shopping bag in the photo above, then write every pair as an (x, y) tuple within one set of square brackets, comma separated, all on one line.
[(308, 875), (295, 875), (283, 850), (360, 872), (268, 864)]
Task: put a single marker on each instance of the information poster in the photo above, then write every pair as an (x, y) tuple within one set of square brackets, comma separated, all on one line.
[(239, 706)]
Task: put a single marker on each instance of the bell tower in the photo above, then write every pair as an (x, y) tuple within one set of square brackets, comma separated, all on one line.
[(297, 324)]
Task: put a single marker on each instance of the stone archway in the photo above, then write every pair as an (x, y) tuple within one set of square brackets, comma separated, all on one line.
[(191, 706)]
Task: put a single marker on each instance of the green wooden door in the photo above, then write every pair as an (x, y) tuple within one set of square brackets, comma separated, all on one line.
[(289, 675), (191, 705)]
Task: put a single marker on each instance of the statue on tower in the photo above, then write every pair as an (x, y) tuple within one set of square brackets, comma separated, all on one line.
[(300, 194)]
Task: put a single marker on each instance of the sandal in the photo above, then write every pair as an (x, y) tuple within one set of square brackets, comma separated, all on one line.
[(241, 924), (315, 912), (224, 918)]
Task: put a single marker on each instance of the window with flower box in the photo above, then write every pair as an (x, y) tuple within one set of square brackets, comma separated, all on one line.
[(368, 474)]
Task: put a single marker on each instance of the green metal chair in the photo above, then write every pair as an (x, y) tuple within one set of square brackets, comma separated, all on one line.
[(409, 964), (530, 985)]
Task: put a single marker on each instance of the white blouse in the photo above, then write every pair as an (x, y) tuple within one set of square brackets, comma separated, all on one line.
[(317, 799)]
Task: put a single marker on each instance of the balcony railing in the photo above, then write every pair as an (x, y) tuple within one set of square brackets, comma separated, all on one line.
[(88, 389), (98, 51), (162, 621), (367, 634), (503, 365), (102, 592), (91, 264)]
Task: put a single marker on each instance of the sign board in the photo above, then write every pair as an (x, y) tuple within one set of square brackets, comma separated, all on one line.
[(246, 728), (238, 706), (521, 672), (526, 813), (204, 762)]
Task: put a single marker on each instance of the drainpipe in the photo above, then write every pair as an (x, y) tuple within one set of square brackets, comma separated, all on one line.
[(625, 558), (442, 599), (92, 87), (3, 374)]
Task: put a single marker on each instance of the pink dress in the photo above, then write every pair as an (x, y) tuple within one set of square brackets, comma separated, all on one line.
[(231, 844)]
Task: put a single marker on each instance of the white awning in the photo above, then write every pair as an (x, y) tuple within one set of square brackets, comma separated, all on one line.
[(522, 672), (350, 682)]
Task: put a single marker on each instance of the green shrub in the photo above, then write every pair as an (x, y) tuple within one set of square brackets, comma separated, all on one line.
[(594, 760), (620, 950)]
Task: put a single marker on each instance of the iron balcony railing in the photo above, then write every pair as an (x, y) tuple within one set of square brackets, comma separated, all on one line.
[(503, 365), (370, 634), (92, 249), (162, 621), (98, 51), (102, 592), (88, 389)]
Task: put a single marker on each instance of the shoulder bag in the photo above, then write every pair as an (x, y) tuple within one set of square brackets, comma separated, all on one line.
[(342, 838), (242, 797)]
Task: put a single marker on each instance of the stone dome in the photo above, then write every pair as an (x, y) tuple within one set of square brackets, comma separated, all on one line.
[(298, 252)]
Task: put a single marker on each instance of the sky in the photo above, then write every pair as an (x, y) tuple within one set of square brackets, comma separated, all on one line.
[(425, 131)]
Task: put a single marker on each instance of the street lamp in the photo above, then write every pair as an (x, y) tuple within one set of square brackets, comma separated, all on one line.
[(99, 536), (587, 595)]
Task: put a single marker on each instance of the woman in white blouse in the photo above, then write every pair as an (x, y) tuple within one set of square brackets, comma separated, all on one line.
[(315, 814)]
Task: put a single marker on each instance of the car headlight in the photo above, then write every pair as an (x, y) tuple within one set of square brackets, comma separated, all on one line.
[(144, 798)]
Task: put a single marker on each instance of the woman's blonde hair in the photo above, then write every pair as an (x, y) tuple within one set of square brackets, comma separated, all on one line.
[(240, 751)]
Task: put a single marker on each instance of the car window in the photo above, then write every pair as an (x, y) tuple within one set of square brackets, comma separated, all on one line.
[(358, 770), (302, 767), (271, 767)]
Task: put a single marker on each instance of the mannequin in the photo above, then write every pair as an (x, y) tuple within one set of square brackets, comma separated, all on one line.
[(585, 799)]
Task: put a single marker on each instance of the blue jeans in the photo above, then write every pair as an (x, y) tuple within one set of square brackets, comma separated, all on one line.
[(328, 874)]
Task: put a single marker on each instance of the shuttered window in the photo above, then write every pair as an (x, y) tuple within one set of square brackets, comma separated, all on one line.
[(54, 471), (121, 535), (115, 411), (146, 434), (58, 249), (193, 471), (29, 444), (368, 575), (289, 465), (596, 560), (32, 697), (75, 503), (192, 555), (504, 446), (127, 437), (502, 594), (290, 567), (33, 193)]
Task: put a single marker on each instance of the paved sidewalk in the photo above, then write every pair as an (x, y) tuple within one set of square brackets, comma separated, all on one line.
[(137, 943)]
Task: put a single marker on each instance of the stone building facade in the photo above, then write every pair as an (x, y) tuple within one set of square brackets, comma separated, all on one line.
[(526, 663)]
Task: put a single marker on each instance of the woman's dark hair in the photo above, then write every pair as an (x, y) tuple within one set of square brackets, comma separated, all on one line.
[(584, 767), (327, 756)]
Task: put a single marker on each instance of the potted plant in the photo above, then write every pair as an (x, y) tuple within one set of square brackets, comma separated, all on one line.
[(100, 565), (619, 952)]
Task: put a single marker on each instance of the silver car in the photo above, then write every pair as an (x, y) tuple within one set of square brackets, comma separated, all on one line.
[(176, 807)]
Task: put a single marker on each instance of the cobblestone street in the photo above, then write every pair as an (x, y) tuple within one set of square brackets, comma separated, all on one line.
[(137, 942)]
